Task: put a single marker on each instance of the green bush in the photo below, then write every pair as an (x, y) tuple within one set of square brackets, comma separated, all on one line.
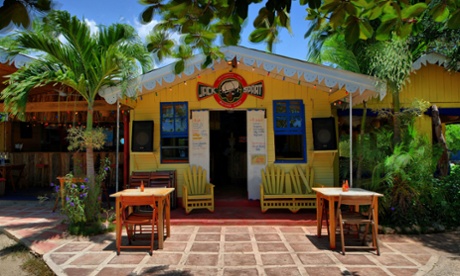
[(443, 200), (405, 178)]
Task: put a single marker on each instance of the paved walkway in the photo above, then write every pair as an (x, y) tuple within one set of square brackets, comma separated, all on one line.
[(220, 250)]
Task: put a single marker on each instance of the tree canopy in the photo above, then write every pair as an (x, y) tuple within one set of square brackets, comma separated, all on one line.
[(21, 13), (200, 23)]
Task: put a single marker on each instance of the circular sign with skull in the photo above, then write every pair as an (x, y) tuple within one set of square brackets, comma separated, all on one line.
[(230, 88)]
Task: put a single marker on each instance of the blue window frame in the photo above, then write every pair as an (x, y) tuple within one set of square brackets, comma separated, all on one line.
[(289, 130), (174, 132)]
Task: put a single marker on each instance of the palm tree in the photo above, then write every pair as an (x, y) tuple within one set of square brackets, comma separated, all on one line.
[(84, 61)]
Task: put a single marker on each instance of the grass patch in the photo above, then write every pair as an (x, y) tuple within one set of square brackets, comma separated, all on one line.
[(33, 265), (36, 266)]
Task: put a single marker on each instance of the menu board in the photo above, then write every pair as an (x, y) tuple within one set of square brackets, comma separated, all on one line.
[(199, 139), (257, 150)]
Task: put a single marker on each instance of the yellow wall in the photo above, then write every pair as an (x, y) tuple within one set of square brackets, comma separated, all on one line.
[(315, 101), (432, 83)]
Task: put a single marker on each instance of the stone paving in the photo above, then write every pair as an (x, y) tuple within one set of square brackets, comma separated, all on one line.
[(212, 250)]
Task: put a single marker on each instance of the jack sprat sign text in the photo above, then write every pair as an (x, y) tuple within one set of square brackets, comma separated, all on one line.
[(230, 90)]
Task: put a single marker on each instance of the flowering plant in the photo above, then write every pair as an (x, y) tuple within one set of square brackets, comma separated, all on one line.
[(83, 201), (75, 198)]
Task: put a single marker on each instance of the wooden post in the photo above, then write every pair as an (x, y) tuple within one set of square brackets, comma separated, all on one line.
[(126, 147)]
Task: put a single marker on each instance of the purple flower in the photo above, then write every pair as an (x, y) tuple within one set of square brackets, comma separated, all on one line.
[(106, 168), (392, 208), (83, 195), (67, 198), (82, 186), (86, 179), (52, 184), (73, 185), (56, 189), (72, 204)]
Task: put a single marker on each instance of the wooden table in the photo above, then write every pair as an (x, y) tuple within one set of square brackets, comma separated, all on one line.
[(332, 196), (162, 198)]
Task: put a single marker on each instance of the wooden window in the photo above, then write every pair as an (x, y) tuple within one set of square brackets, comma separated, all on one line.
[(174, 132), (289, 129)]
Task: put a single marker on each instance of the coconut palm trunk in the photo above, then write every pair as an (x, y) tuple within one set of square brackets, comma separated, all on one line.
[(89, 149)]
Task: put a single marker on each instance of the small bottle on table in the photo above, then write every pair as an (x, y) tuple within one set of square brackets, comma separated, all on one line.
[(345, 186)]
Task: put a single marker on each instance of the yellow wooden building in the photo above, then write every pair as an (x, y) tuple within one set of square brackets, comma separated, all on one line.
[(429, 81), (248, 110), (239, 114)]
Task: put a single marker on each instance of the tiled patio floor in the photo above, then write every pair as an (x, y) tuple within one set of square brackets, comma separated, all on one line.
[(212, 250)]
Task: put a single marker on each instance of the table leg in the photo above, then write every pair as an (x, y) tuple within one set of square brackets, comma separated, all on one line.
[(62, 191), (118, 224), (376, 219), (331, 223), (161, 231), (319, 211), (168, 216)]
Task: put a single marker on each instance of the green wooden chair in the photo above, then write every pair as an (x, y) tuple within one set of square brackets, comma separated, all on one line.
[(292, 190), (197, 193)]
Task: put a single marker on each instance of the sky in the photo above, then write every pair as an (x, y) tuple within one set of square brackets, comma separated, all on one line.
[(106, 12)]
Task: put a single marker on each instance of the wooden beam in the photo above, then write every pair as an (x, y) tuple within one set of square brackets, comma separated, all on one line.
[(65, 106), (338, 95)]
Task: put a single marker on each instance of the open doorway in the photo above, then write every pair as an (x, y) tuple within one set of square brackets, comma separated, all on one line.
[(228, 168)]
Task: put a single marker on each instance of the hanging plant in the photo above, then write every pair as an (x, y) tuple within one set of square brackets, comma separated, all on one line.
[(80, 139)]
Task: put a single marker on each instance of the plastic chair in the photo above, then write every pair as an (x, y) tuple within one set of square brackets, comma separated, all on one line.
[(130, 219), (351, 215), (197, 193)]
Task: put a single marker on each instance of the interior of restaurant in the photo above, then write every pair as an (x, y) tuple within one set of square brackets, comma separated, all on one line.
[(228, 150), (36, 148)]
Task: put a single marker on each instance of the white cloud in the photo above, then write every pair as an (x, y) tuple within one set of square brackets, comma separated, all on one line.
[(92, 25), (144, 29)]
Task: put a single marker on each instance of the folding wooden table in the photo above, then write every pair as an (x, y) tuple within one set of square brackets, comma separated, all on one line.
[(162, 198), (332, 195)]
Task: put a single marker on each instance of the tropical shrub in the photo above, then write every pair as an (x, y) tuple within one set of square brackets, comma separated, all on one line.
[(405, 179), (443, 199)]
